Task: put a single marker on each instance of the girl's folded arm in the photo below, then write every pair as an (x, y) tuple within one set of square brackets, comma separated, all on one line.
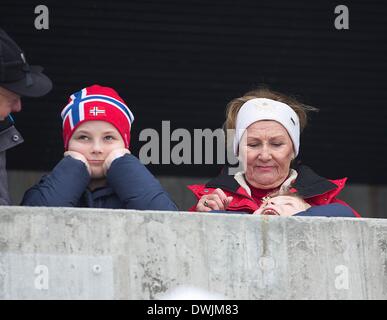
[(62, 187)]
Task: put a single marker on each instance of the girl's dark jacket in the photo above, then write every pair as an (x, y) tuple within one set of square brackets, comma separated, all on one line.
[(129, 186)]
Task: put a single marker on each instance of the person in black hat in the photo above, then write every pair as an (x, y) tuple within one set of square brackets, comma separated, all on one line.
[(17, 79)]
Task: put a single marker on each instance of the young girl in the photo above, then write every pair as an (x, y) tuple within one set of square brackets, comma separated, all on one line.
[(98, 169)]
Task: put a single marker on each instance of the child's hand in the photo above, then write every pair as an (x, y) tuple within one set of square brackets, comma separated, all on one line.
[(78, 156), (116, 153)]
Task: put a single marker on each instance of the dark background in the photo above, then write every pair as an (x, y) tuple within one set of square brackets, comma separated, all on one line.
[(184, 60)]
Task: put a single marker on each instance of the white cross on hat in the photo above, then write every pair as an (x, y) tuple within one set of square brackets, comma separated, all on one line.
[(95, 111)]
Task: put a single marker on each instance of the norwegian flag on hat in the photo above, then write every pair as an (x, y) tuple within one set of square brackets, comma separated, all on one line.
[(96, 103)]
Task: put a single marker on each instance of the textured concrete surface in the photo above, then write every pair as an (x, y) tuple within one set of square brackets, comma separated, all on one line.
[(63, 253)]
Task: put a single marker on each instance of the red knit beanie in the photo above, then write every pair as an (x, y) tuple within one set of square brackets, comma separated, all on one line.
[(96, 103)]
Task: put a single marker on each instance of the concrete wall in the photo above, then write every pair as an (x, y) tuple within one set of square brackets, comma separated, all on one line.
[(64, 253), (370, 201)]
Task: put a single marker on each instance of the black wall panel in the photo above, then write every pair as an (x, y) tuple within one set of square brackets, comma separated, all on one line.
[(184, 60)]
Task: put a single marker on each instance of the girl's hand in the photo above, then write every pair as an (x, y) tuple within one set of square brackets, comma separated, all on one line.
[(78, 156), (216, 200), (116, 153)]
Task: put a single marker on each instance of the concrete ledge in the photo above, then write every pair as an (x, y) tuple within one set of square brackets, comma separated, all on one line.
[(66, 253)]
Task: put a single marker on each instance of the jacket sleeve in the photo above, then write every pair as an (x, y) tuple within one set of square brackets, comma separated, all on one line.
[(335, 200), (7, 141), (63, 187), (136, 187), (328, 210), (4, 196), (4, 200)]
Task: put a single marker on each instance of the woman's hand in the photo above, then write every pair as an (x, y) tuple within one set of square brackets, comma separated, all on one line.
[(216, 200), (78, 156), (116, 153)]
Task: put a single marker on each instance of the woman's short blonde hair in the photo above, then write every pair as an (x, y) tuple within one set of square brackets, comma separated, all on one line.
[(234, 105)]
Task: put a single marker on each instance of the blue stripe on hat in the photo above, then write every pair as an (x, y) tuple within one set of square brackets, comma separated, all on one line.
[(75, 111), (119, 104), (69, 106)]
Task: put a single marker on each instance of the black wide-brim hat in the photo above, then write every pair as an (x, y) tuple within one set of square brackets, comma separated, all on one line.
[(16, 74)]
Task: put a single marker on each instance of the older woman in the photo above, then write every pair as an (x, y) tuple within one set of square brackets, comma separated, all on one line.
[(267, 139)]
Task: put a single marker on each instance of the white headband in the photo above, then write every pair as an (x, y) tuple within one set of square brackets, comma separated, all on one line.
[(267, 109)]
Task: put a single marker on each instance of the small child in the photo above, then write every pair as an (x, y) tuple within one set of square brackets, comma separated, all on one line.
[(98, 169), (290, 204), (286, 205)]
